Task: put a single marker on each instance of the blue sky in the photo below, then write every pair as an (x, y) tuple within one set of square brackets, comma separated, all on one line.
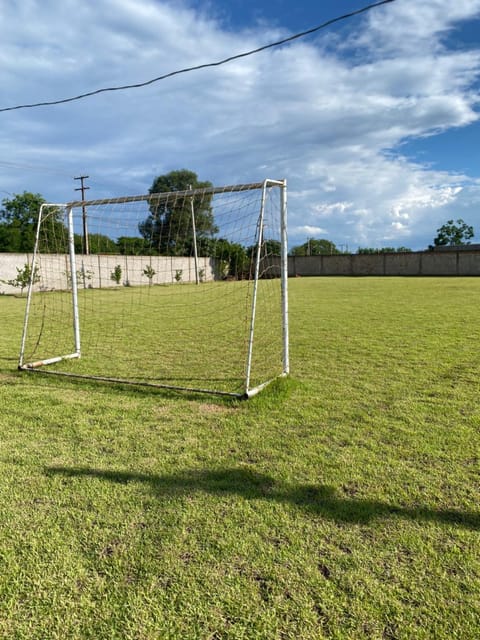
[(374, 121), (296, 16)]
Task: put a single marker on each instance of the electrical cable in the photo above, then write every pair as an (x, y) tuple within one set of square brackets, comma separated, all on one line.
[(33, 167), (201, 66)]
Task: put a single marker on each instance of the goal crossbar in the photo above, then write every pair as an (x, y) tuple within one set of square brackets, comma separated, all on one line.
[(168, 195)]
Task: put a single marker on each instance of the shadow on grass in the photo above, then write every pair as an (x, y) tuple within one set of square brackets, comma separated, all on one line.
[(47, 379), (321, 500)]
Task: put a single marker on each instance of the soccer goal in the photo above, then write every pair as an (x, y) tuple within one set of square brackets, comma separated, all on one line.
[(183, 290)]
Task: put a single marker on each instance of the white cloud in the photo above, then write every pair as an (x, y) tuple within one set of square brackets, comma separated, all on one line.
[(410, 25), (334, 207), (310, 231), (329, 122)]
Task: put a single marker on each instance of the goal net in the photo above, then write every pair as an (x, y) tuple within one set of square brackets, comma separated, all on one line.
[(184, 290)]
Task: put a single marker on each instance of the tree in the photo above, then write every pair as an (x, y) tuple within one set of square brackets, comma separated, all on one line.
[(97, 242), (133, 246), (271, 248), (232, 259), (371, 250), (149, 272), (116, 274), (169, 228), (453, 233), (17, 232), (18, 223), (313, 247)]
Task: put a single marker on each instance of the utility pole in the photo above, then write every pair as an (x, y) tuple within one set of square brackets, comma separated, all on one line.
[(83, 188)]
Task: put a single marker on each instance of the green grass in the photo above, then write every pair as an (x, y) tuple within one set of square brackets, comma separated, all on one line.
[(340, 503), (180, 335)]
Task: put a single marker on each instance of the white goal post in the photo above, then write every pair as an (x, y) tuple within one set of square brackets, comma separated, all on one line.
[(182, 290)]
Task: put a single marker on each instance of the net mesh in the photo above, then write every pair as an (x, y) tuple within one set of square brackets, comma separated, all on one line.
[(165, 286)]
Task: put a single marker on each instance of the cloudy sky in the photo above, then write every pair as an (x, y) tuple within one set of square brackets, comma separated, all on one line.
[(373, 121)]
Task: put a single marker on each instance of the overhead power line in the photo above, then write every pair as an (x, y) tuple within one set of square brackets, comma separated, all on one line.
[(33, 167), (302, 34)]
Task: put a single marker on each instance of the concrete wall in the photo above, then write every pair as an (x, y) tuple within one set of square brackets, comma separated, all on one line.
[(305, 266), (336, 264), (368, 265), (95, 270), (403, 264), (469, 263), (444, 264), (463, 262)]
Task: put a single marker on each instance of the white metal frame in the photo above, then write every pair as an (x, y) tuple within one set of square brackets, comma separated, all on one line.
[(248, 392), (73, 269)]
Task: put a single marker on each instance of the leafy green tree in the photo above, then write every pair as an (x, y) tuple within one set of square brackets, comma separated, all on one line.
[(268, 248), (371, 250), (133, 246), (97, 243), (271, 248), (232, 258), (453, 233), (313, 247), (169, 228), (18, 224)]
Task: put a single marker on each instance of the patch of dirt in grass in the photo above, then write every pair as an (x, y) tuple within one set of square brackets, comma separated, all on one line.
[(209, 407)]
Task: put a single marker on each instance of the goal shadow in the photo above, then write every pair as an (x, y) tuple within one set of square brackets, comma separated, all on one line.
[(320, 500)]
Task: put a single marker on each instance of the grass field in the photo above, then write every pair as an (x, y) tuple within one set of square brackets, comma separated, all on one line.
[(340, 503), (176, 335)]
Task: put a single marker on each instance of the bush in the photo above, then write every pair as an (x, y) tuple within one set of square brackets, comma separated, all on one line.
[(116, 274), (24, 276)]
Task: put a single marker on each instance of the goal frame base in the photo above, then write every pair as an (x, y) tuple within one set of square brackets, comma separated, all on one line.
[(36, 367)]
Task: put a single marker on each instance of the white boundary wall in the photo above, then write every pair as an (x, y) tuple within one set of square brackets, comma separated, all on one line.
[(95, 270)]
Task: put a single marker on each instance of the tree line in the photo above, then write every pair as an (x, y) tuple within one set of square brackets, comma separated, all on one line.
[(323, 247), (167, 229), (452, 233)]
